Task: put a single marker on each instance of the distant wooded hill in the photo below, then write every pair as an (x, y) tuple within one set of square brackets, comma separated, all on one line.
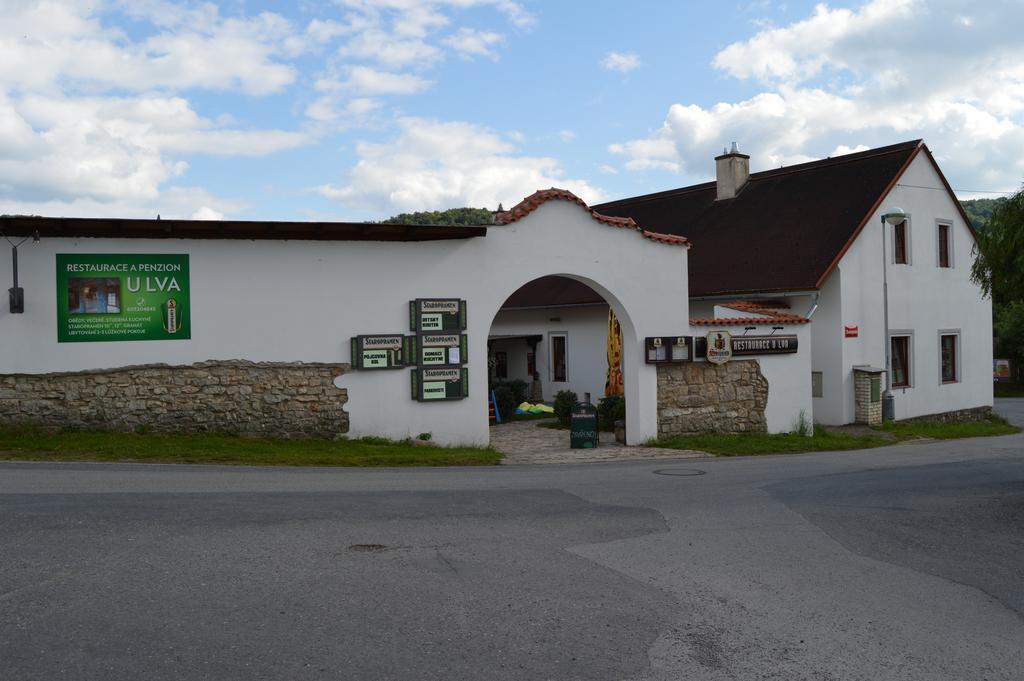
[(452, 216), (980, 210)]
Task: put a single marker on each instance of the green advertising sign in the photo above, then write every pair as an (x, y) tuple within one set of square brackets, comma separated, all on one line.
[(447, 383), (122, 297)]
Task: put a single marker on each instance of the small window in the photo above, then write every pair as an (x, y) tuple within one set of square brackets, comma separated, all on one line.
[(947, 351), (817, 386), (501, 365), (944, 246), (899, 240), (559, 373), (900, 361)]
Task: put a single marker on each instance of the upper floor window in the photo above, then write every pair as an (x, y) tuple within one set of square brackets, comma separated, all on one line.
[(945, 245), (899, 243)]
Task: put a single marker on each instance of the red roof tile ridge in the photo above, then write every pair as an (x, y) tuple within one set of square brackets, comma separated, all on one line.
[(736, 321), (542, 196)]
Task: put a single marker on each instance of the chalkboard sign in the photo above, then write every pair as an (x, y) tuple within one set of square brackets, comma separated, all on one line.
[(583, 426), (434, 384), (380, 351), (429, 315), (433, 349)]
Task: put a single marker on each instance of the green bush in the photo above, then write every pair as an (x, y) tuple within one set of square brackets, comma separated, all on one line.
[(520, 390), (565, 400), (609, 410), (506, 402)]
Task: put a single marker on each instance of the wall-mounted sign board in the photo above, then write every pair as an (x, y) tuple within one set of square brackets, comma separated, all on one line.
[(379, 351), (753, 345), (122, 297), (851, 331), (432, 349), (431, 384), (667, 349), (429, 315)]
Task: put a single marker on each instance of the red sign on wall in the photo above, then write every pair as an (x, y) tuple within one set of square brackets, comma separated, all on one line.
[(851, 331)]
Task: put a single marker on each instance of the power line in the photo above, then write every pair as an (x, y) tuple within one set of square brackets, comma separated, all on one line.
[(966, 191)]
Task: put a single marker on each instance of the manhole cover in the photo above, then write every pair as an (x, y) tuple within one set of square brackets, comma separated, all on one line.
[(682, 472), (366, 548)]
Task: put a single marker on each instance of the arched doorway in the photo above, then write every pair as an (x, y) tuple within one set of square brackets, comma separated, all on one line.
[(553, 335)]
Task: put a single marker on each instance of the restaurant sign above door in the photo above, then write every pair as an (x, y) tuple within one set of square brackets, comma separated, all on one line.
[(745, 346)]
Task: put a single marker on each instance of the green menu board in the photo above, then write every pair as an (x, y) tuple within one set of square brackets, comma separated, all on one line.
[(122, 297), (443, 383)]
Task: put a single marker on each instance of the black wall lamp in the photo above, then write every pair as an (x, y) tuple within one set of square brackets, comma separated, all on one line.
[(16, 293)]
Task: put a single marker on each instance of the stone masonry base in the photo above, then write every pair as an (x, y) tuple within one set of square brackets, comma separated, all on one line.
[(701, 397), (960, 415), (253, 398)]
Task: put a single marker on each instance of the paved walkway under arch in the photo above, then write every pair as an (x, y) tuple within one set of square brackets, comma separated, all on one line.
[(525, 442)]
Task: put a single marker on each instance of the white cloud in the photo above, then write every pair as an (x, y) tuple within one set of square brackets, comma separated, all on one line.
[(207, 213), (619, 61), (435, 165), (566, 135), (364, 80), (470, 43), (847, 79)]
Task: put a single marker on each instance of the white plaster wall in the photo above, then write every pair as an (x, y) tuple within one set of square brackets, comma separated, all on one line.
[(302, 301), (923, 298), (587, 330), (788, 376), (516, 350), (827, 353)]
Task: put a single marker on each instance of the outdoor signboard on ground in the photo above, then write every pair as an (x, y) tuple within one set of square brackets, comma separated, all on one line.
[(428, 315), (122, 297), (432, 349), (380, 351), (431, 384), (1001, 370)]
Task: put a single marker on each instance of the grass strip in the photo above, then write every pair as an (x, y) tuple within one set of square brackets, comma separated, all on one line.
[(29, 443), (824, 440), (994, 425)]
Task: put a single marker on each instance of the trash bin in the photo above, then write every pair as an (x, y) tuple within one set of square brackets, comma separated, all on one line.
[(583, 425)]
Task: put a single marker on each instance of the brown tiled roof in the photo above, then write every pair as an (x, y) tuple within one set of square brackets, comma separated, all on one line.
[(766, 307), (784, 231), (542, 196)]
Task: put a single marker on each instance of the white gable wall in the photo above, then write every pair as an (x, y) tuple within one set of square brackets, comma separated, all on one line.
[(923, 299)]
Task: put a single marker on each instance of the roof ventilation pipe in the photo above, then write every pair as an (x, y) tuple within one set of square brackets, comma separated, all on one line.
[(732, 170)]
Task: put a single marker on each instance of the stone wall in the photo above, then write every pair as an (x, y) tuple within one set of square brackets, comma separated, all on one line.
[(958, 416), (700, 397), (266, 398)]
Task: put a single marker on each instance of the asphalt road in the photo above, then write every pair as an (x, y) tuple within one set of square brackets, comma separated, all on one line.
[(898, 563)]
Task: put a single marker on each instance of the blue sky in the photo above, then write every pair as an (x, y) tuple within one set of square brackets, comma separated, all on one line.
[(358, 109)]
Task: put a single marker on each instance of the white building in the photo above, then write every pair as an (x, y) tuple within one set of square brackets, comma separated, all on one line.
[(808, 239)]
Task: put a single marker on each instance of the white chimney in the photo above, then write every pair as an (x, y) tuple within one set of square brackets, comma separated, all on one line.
[(732, 169)]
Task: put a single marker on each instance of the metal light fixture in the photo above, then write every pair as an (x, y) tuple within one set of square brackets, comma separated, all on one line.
[(893, 216), (16, 293)]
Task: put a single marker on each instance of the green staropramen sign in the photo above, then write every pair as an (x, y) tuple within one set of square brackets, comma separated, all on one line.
[(122, 297)]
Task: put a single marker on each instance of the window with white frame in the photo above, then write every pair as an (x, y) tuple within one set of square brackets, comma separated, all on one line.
[(944, 243), (901, 243), (901, 359), (949, 356), (559, 358)]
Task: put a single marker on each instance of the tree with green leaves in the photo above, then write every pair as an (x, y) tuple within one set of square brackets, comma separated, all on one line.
[(999, 270), (452, 216), (999, 266)]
